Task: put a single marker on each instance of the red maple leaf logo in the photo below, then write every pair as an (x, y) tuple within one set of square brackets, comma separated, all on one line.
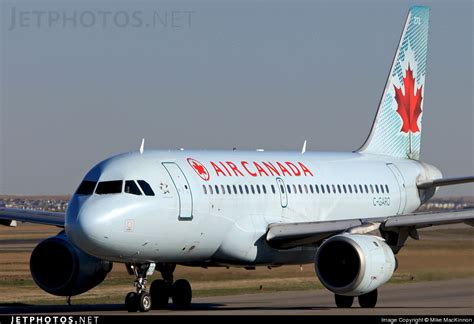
[(200, 169), (409, 105)]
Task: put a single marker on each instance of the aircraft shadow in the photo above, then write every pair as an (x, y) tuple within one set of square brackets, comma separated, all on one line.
[(20, 308)]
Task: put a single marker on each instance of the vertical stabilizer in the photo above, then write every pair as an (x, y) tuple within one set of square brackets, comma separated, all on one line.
[(397, 126)]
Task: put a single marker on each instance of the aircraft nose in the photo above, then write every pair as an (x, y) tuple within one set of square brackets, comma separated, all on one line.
[(87, 227)]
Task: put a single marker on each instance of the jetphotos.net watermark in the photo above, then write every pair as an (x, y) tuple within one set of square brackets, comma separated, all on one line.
[(28, 19)]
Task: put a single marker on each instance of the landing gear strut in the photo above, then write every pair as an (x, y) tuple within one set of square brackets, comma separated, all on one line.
[(139, 300), (162, 289)]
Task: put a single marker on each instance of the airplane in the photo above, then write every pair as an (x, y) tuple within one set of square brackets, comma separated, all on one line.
[(155, 209)]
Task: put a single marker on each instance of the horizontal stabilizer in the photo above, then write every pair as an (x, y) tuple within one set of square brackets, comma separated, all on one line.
[(444, 182)]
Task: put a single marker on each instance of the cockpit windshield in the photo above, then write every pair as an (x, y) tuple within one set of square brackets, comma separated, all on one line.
[(116, 187), (109, 187), (86, 188), (132, 188)]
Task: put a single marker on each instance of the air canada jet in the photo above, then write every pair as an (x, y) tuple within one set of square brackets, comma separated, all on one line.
[(153, 210)]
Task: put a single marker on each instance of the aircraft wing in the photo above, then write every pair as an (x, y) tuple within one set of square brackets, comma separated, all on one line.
[(287, 235), (8, 216)]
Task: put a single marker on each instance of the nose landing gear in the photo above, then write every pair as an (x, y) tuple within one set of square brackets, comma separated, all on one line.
[(141, 299)]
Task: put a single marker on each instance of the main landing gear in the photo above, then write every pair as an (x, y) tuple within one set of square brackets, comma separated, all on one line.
[(160, 290), (368, 300)]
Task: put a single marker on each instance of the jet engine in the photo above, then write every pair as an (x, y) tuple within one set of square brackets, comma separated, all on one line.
[(61, 269), (353, 265)]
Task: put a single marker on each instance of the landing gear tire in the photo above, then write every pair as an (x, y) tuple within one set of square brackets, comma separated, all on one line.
[(343, 301), (368, 300), (144, 301), (131, 302), (160, 292), (181, 294)]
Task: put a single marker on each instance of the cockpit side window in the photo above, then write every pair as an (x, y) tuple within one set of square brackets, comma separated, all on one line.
[(132, 188), (86, 188), (146, 188), (109, 187)]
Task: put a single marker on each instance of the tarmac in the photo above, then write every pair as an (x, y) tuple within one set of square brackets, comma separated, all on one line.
[(450, 297)]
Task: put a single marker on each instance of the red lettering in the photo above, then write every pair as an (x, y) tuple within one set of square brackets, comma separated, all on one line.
[(283, 169), (271, 168), (217, 169), (260, 169), (233, 167), (227, 170), (244, 164), (305, 169), (294, 168)]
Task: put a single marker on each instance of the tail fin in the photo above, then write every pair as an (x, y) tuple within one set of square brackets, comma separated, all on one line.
[(397, 126)]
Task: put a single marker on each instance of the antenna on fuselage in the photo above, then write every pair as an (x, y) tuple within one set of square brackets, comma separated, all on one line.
[(142, 146), (303, 150)]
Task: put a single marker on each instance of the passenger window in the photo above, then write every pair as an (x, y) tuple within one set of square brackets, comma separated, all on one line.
[(294, 189), (235, 189), (282, 188), (355, 188), (273, 188), (289, 188), (311, 188), (146, 188), (316, 187), (210, 190), (223, 189), (109, 187), (301, 190), (240, 189), (371, 189), (328, 189), (350, 188), (252, 189), (258, 189), (264, 189), (247, 189), (217, 189), (386, 189), (376, 188), (339, 188), (344, 188), (381, 189), (366, 189), (361, 190), (132, 188), (229, 190), (204, 189), (86, 188)]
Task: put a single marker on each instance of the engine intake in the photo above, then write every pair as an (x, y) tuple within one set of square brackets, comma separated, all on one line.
[(61, 269), (353, 265)]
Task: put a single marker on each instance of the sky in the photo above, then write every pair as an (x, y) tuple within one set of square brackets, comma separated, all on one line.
[(80, 82)]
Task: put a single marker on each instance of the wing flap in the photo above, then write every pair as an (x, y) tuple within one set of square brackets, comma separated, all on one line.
[(430, 219), (288, 235), (31, 216)]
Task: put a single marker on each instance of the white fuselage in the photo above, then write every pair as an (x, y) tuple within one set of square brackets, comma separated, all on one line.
[(213, 207)]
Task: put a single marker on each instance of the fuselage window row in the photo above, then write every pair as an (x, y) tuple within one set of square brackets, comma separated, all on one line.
[(295, 189)]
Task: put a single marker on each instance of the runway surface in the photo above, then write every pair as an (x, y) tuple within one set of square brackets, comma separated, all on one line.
[(452, 297)]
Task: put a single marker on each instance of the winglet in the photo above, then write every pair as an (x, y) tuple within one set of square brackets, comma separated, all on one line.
[(142, 146), (303, 150)]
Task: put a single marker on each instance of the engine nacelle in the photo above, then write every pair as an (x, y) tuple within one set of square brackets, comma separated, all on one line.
[(352, 265), (61, 269)]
